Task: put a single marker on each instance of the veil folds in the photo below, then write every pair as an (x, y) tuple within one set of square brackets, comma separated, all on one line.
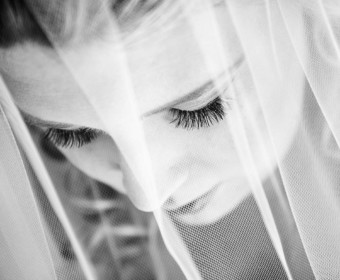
[(252, 196)]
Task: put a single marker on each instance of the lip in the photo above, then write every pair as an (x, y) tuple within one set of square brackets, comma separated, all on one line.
[(196, 205)]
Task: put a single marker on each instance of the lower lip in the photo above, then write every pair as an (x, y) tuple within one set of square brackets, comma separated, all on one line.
[(196, 205)]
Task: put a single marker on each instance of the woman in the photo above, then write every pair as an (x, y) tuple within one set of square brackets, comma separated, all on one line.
[(194, 110)]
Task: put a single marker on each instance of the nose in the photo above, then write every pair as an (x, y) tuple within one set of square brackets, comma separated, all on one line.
[(168, 182)]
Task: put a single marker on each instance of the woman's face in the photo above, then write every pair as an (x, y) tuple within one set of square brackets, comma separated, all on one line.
[(145, 146)]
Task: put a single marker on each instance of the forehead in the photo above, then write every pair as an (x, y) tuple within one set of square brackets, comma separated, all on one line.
[(160, 68)]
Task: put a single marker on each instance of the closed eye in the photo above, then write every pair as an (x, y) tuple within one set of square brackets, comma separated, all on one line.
[(207, 116), (71, 138)]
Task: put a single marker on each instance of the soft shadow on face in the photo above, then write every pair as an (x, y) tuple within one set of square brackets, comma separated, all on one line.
[(185, 164)]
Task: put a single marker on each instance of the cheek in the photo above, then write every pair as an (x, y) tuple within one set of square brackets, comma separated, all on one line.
[(191, 159), (190, 163), (269, 122)]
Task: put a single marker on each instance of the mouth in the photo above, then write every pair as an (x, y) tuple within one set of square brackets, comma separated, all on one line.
[(194, 206)]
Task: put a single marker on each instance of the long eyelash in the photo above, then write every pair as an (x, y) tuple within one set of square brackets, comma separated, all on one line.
[(71, 138), (212, 113)]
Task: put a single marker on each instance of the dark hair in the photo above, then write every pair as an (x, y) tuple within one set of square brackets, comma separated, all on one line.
[(19, 24)]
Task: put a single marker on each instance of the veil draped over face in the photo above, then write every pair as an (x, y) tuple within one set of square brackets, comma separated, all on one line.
[(258, 197)]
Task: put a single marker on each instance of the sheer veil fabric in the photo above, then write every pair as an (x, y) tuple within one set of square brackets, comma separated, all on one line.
[(239, 179)]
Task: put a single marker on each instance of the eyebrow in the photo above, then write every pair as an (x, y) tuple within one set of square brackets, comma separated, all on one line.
[(198, 92)]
